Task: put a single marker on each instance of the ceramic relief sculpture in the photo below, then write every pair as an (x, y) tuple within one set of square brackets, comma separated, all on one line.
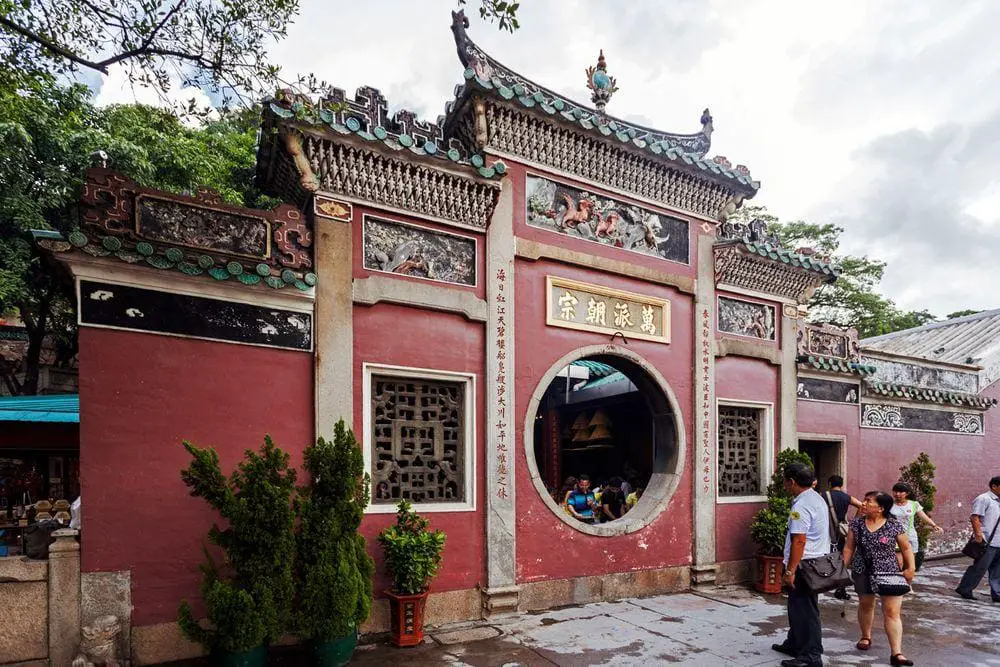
[(202, 227), (415, 251), (566, 210), (746, 318)]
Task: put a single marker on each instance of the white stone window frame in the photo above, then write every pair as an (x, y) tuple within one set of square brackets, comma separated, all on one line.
[(471, 449), (766, 448)]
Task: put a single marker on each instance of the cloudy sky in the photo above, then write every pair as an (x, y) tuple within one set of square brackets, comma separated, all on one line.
[(882, 117)]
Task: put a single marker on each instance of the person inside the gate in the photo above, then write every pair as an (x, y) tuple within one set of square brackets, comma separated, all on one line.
[(569, 485), (840, 501), (612, 500), (870, 552), (580, 501), (907, 511)]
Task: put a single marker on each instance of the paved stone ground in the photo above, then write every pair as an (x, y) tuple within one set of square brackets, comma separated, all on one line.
[(728, 626)]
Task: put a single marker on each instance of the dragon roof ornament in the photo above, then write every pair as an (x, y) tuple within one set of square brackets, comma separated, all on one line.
[(480, 67)]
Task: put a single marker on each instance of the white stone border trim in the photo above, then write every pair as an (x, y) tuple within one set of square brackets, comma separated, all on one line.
[(661, 487), (471, 448)]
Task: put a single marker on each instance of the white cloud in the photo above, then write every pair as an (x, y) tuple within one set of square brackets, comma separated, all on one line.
[(870, 115), (116, 88)]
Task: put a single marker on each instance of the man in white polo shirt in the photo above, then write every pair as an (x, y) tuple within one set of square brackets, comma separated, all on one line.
[(808, 537), (985, 520)]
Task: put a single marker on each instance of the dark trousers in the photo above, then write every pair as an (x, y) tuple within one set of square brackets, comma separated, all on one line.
[(805, 634), (988, 563)]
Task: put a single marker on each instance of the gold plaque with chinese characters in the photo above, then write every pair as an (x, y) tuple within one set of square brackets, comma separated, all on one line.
[(575, 305)]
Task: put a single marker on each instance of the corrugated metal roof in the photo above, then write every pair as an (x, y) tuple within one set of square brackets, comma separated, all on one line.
[(973, 340), (63, 408), (596, 368)]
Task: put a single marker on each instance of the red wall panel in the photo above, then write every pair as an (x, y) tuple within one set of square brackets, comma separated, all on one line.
[(744, 379), (141, 395), (401, 336), (565, 552)]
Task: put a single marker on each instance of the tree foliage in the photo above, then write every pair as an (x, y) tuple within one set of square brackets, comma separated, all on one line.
[(334, 573), (853, 300), (48, 135), (919, 475), (250, 602)]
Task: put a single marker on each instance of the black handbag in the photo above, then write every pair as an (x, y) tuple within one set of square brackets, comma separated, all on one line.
[(884, 583), (823, 574), (976, 550)]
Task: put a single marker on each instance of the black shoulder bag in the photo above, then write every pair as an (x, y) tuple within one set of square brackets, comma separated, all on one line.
[(976, 550), (825, 573)]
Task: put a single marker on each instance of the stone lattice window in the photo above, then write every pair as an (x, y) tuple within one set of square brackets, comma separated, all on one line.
[(740, 450), (418, 440)]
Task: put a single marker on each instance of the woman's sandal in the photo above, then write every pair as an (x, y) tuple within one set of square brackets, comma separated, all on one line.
[(864, 643), (899, 659)]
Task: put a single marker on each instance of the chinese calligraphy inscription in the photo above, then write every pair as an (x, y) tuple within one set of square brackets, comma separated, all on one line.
[(576, 305)]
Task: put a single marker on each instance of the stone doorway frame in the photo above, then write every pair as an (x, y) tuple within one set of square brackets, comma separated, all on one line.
[(662, 485)]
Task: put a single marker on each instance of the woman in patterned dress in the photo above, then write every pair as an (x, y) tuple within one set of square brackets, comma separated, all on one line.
[(873, 538)]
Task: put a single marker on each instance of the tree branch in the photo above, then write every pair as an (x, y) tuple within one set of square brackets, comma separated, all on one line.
[(144, 47), (51, 46)]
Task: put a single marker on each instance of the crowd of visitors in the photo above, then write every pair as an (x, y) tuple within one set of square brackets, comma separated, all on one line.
[(607, 501), (877, 546)]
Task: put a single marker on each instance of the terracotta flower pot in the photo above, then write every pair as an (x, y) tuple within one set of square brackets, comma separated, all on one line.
[(770, 569), (407, 614)]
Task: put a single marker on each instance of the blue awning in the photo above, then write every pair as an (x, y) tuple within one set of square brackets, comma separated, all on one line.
[(55, 408)]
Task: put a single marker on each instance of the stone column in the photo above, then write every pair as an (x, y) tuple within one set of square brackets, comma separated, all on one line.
[(64, 597), (788, 399), (705, 449), (501, 593), (334, 322)]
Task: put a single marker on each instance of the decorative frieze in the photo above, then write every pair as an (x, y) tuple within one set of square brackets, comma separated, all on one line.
[(567, 210), (394, 247), (875, 415), (152, 311), (202, 227), (353, 172), (746, 318), (828, 340), (891, 371), (517, 133), (115, 207), (823, 389), (575, 305)]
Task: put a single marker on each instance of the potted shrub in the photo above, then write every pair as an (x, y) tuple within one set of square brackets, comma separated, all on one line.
[(919, 474), (412, 556), (248, 598), (770, 524), (334, 571)]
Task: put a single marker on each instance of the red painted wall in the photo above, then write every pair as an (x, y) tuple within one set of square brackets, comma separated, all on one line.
[(140, 395), (565, 552), (820, 418), (744, 379), (438, 341)]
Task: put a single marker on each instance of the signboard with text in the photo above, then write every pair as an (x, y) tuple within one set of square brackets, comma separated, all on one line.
[(575, 305)]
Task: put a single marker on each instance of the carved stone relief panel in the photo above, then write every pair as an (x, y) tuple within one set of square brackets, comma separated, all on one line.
[(746, 318), (875, 415), (202, 227), (418, 439), (827, 340), (566, 210), (409, 250), (739, 451)]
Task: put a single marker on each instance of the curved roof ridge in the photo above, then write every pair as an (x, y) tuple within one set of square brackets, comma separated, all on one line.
[(487, 68)]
